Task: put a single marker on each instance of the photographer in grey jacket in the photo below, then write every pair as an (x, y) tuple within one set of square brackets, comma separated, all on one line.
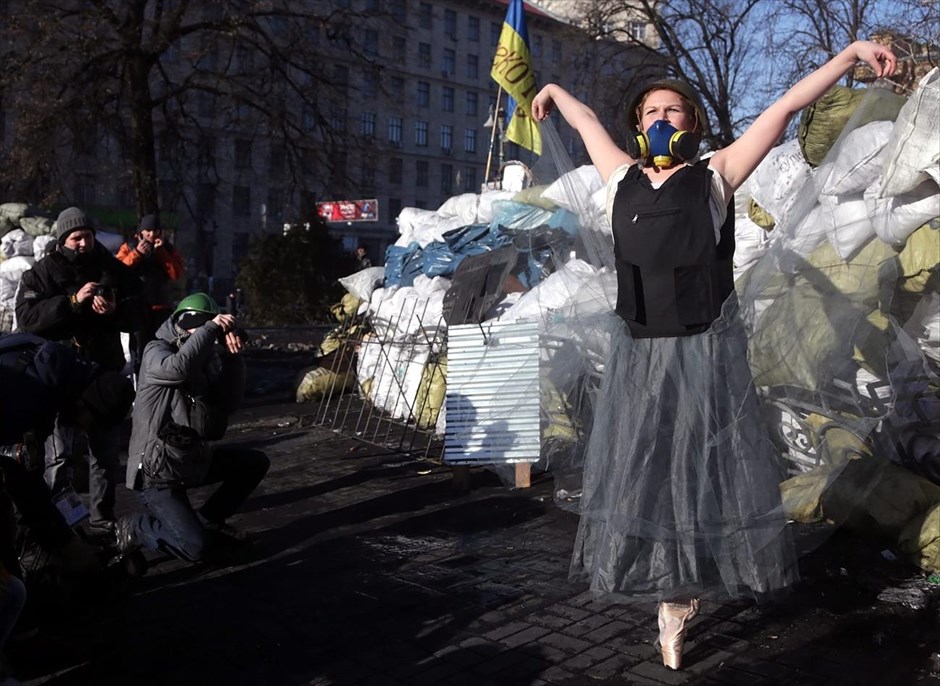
[(191, 379)]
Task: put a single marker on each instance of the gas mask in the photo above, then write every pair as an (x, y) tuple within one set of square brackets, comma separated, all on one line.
[(664, 144)]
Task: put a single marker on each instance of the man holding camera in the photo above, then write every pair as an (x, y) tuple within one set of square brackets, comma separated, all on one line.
[(159, 266), (191, 379), (83, 296)]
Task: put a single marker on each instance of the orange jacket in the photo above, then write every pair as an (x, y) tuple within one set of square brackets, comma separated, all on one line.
[(166, 256)]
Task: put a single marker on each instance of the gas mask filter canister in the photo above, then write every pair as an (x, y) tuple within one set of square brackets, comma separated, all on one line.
[(665, 144)]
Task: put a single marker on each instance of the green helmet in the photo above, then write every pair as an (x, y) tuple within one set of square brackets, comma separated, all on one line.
[(196, 302)]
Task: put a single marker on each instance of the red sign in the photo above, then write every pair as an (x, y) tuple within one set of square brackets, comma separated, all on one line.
[(349, 210)]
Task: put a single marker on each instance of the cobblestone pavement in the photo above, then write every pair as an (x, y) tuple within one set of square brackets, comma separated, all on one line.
[(370, 568)]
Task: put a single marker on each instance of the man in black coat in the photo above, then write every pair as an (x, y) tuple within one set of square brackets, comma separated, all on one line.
[(83, 296)]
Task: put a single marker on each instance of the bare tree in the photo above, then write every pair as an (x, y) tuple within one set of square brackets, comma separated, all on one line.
[(713, 45), (148, 81)]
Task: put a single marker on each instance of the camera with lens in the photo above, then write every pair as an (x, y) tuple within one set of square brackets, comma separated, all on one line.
[(104, 291)]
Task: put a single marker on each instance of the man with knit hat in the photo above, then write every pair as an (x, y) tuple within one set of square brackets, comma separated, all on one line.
[(159, 266), (82, 296)]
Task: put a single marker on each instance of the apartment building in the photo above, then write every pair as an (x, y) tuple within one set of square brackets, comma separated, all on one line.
[(402, 97)]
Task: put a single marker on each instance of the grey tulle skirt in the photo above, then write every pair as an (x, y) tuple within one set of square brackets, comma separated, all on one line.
[(681, 483)]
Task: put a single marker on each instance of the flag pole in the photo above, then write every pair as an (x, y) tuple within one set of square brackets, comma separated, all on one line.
[(489, 155)]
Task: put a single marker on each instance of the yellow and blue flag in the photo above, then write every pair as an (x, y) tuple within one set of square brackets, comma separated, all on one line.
[(512, 70)]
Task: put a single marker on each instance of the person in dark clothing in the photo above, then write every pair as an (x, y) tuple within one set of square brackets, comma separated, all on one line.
[(363, 257), (42, 380), (191, 379), (159, 266), (83, 296)]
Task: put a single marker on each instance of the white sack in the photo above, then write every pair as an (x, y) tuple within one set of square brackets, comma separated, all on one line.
[(14, 210), (553, 293), (567, 191), (463, 206), (43, 245), (896, 218), (11, 271), (750, 242), (428, 228), (913, 148), (16, 242), (364, 282), (776, 182), (859, 162), (405, 311), (845, 220)]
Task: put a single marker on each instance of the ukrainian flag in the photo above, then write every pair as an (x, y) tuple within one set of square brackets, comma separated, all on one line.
[(512, 70)]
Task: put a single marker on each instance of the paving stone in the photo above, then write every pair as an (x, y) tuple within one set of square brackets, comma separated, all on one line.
[(588, 658), (587, 625), (505, 630), (612, 666), (607, 632), (660, 673), (533, 633), (569, 612), (566, 644), (550, 621)]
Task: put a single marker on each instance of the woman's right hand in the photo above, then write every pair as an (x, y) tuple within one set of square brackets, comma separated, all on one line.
[(542, 104)]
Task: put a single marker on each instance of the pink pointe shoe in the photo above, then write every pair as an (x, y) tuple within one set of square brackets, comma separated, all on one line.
[(672, 625)]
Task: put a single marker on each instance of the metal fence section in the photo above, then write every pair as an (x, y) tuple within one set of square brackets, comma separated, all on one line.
[(383, 376)]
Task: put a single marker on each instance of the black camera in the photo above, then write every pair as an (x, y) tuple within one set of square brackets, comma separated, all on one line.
[(104, 291)]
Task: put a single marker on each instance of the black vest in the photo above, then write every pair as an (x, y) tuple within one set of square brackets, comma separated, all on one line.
[(671, 277)]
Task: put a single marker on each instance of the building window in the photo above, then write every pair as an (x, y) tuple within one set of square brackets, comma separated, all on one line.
[(447, 136), (277, 158), (397, 85), (398, 11), (394, 130), (637, 30), (424, 15), (241, 201), (556, 52), (367, 177), (370, 42), (495, 30), (421, 133), (424, 93), (472, 104), (399, 49), (470, 179), (473, 66), (337, 118), (205, 201), (470, 140), (473, 29), (421, 173), (274, 207), (424, 55), (447, 99), (447, 179), (370, 84), (368, 124), (242, 154), (394, 207), (395, 170), (450, 24), (341, 76), (450, 60)]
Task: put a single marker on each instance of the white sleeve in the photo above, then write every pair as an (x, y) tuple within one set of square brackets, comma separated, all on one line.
[(612, 184), (718, 203)]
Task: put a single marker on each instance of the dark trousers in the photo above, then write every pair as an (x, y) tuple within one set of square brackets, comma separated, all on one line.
[(104, 467), (173, 526)]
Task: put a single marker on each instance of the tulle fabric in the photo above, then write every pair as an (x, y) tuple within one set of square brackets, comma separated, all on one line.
[(680, 480)]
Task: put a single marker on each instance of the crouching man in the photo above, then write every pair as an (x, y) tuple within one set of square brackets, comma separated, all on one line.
[(191, 379)]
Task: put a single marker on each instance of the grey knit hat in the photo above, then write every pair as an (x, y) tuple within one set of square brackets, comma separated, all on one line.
[(70, 219)]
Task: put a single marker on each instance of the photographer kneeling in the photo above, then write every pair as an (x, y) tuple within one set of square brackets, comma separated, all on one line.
[(192, 378)]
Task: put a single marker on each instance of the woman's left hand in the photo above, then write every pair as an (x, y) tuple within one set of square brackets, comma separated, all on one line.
[(879, 57)]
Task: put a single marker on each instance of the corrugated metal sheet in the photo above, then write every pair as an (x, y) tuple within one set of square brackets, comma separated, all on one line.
[(492, 400)]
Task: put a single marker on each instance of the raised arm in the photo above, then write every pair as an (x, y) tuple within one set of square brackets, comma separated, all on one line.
[(738, 160), (605, 154)]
